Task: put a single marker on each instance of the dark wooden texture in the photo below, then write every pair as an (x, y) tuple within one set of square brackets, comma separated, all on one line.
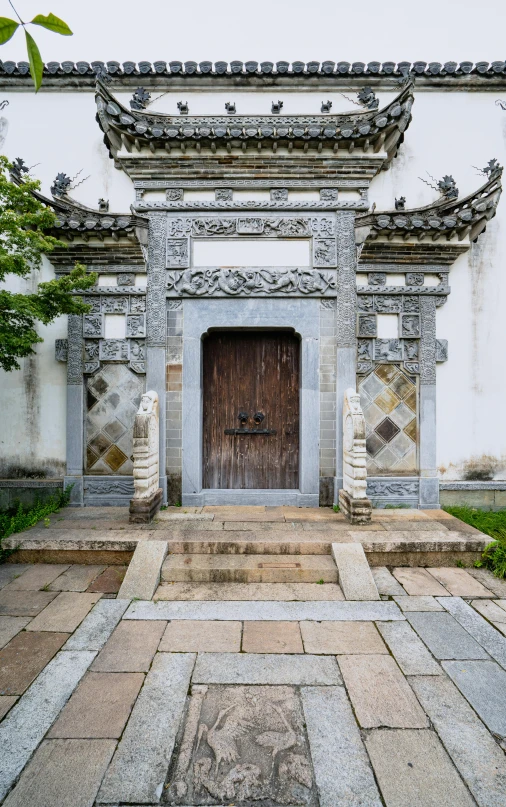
[(251, 372)]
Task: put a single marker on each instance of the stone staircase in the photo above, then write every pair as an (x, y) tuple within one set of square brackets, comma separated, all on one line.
[(249, 568)]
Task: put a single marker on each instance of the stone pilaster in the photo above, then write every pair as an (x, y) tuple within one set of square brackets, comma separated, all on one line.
[(346, 312), (429, 482), (157, 327), (75, 410)]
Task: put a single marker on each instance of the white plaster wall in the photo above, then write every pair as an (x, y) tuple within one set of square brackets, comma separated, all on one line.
[(450, 133), (33, 402)]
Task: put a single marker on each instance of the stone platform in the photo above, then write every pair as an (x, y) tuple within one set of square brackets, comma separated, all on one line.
[(393, 538)]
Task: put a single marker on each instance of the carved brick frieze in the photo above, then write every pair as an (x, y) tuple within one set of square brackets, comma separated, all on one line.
[(441, 350), (411, 349), (114, 350), (126, 279), (366, 325), (279, 195), (93, 325), (136, 325), (250, 225), (388, 305), (114, 305), (137, 304), (323, 226), (387, 350), (410, 325), (329, 194), (75, 349), (428, 341), (346, 288), (223, 195), (109, 487), (172, 195), (61, 349), (178, 253), (324, 252), (244, 184), (155, 296), (393, 488), (251, 282)]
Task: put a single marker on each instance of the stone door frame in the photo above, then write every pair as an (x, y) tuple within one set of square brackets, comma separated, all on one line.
[(300, 315)]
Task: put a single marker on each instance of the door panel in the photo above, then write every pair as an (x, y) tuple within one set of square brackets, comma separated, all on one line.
[(251, 372)]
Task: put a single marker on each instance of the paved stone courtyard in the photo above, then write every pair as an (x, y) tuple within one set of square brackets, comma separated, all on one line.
[(251, 693)]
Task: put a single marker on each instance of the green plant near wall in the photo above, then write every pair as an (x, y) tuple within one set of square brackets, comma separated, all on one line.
[(493, 524), (9, 27), (21, 518)]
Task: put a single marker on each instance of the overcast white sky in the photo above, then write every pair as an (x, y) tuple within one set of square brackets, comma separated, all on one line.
[(363, 30)]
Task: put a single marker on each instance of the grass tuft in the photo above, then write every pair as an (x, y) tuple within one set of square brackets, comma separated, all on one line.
[(493, 524), (17, 519)]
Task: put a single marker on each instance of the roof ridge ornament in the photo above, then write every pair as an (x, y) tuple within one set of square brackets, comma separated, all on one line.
[(140, 99), (446, 186)]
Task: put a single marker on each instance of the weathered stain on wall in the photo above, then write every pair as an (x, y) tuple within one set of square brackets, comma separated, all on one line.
[(476, 468)]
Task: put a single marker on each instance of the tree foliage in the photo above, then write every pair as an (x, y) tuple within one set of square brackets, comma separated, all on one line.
[(9, 27), (25, 222)]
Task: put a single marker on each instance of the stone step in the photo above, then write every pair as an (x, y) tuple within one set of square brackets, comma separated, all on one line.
[(355, 576), (249, 544), (269, 592), (221, 568)]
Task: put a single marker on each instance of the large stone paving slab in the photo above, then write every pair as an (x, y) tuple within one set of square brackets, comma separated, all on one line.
[(24, 603), (417, 581), (483, 684), (341, 767), (24, 657), (131, 647), (277, 611), (100, 706), (11, 625), (243, 745), (6, 703), (420, 603), (76, 578), (408, 650), (137, 772), (342, 638), (413, 768), (487, 636), (355, 576), (272, 637), (37, 576), (29, 720), (444, 637), (380, 694), (477, 756), (459, 582), (241, 668), (386, 582), (143, 573), (63, 773), (65, 613), (95, 629), (9, 571), (187, 636), (109, 581), (490, 581)]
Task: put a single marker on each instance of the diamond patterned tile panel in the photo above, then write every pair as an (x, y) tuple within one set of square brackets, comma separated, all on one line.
[(387, 430), (113, 397), (389, 401)]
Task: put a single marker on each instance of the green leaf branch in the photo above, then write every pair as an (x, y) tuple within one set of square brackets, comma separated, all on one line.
[(9, 27)]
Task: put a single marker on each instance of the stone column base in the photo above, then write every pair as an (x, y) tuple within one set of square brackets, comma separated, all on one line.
[(356, 511), (142, 511)]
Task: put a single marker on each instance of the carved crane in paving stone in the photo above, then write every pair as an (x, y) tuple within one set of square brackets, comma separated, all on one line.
[(277, 740), (222, 740)]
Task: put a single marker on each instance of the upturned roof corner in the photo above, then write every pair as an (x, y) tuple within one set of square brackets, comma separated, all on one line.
[(447, 226)]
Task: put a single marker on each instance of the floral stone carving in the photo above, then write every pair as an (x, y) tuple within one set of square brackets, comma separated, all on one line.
[(147, 496), (353, 499)]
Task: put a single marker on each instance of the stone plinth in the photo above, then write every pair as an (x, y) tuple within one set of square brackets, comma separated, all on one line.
[(353, 500), (142, 511), (356, 511), (147, 492)]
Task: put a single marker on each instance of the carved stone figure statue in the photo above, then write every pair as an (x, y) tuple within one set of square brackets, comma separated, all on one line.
[(147, 493), (353, 500)]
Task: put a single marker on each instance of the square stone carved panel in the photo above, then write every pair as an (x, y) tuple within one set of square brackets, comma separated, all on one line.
[(242, 745), (389, 400)]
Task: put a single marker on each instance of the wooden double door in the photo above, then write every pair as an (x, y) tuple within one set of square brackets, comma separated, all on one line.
[(251, 410)]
